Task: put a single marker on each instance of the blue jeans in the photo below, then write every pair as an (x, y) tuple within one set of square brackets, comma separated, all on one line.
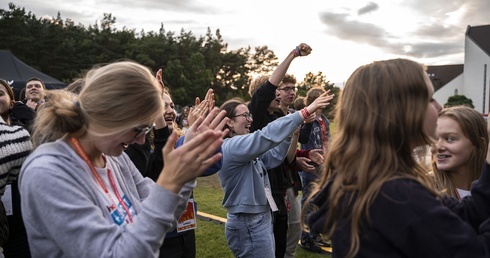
[(250, 235)]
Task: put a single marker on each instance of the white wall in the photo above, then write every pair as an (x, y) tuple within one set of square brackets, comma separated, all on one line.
[(473, 76), (448, 90)]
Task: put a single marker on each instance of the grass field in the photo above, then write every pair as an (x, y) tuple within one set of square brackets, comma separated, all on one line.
[(210, 237)]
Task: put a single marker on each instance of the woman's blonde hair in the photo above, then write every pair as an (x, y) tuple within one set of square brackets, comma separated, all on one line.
[(380, 117), (474, 128), (114, 98)]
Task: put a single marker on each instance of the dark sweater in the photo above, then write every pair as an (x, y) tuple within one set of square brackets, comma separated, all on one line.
[(280, 177), (406, 220), (150, 164)]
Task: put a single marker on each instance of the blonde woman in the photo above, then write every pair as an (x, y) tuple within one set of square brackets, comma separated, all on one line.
[(81, 195), (460, 150)]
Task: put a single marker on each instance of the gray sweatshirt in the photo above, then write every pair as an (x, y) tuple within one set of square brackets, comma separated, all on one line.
[(64, 212)]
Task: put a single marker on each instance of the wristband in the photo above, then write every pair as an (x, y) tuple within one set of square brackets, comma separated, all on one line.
[(304, 115), (298, 52), (306, 112)]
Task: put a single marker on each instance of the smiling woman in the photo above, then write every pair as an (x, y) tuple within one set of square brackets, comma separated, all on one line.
[(244, 179), (460, 150), (79, 180)]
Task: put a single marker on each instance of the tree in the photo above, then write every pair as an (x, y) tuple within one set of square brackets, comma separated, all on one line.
[(263, 61), (458, 100), (190, 64)]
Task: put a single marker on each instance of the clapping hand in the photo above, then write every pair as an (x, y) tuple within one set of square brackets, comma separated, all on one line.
[(201, 109)]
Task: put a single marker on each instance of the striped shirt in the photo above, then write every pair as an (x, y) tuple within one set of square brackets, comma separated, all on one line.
[(15, 146)]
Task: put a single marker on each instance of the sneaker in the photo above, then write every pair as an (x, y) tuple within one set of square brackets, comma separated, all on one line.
[(320, 242), (309, 245)]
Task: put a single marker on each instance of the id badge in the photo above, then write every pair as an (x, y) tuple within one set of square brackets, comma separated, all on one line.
[(272, 203), (188, 219)]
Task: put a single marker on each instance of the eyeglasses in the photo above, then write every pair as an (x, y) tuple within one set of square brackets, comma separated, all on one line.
[(247, 116), (289, 89), (143, 130)]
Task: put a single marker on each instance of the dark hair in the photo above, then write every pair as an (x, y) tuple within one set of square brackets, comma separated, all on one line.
[(229, 106), (36, 79), (299, 103), (288, 78), (9, 89)]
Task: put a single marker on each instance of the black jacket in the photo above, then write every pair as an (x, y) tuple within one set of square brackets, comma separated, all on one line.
[(406, 220)]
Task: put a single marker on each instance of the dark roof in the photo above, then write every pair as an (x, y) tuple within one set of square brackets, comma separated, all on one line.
[(17, 72), (480, 35), (442, 74)]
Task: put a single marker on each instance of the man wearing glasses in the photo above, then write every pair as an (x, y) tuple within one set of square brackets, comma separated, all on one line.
[(265, 101)]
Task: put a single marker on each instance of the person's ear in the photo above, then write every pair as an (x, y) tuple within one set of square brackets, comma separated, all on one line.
[(12, 103), (230, 123)]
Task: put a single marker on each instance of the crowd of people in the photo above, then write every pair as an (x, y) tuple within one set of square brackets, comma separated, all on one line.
[(83, 177)]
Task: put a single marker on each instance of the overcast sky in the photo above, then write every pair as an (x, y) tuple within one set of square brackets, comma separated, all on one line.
[(343, 35)]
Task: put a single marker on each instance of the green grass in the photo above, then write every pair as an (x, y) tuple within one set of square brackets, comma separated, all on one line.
[(210, 237)]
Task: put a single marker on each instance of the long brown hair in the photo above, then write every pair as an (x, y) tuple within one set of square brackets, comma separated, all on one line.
[(380, 117), (474, 128)]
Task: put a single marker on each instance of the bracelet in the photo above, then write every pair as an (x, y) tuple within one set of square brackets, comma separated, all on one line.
[(295, 53), (306, 112), (303, 114), (298, 52)]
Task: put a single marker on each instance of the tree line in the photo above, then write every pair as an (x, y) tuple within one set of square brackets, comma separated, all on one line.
[(191, 64)]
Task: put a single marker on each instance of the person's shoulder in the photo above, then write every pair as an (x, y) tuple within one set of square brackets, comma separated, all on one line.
[(406, 191), (46, 162), (408, 184), (57, 152), (12, 133)]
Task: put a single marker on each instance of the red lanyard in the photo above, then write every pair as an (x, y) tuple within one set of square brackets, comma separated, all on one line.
[(79, 150)]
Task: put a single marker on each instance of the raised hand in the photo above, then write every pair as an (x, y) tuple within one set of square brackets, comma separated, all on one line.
[(304, 49), (215, 120), (321, 102), (203, 108)]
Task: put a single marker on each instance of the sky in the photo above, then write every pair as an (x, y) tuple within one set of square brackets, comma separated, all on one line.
[(343, 34)]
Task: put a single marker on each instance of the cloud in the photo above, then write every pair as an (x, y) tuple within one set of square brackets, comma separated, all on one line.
[(340, 25), (435, 37), (438, 31), (433, 49), (475, 12), (370, 7), (468, 12)]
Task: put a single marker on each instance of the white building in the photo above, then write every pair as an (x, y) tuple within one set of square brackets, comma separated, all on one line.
[(472, 78)]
